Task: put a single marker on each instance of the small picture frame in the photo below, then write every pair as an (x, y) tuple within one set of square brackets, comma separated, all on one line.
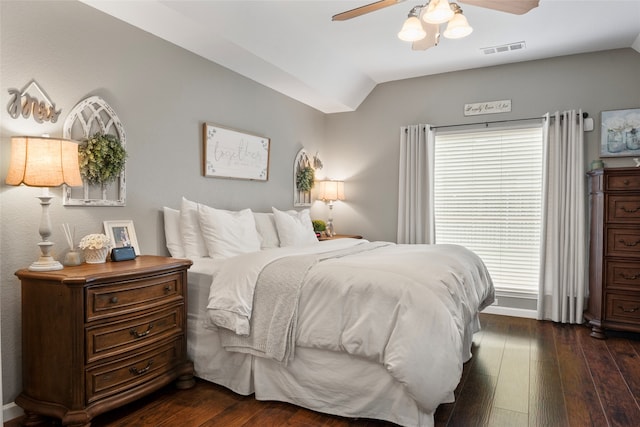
[(122, 234), (620, 133)]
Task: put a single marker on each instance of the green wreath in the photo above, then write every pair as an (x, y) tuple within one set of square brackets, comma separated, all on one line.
[(102, 158), (305, 178)]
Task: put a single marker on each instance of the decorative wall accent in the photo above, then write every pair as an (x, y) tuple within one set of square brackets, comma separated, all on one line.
[(300, 197), (233, 154), (89, 116), (488, 107), (620, 133), (26, 102)]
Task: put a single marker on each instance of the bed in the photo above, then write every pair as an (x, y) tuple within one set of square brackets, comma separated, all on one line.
[(346, 327)]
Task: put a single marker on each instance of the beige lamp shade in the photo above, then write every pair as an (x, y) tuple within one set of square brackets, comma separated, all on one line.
[(331, 190), (43, 162)]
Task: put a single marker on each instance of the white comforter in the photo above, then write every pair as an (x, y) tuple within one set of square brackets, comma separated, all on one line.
[(411, 308)]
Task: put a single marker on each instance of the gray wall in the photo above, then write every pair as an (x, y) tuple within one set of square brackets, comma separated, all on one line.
[(163, 94), (363, 145)]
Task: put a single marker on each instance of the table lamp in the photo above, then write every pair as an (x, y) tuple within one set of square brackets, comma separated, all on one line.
[(330, 191), (44, 162)]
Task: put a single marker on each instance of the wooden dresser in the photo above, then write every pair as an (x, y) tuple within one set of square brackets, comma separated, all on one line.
[(614, 269), (97, 336)]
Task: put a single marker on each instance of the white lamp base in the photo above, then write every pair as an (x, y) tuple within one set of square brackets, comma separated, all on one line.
[(46, 261)]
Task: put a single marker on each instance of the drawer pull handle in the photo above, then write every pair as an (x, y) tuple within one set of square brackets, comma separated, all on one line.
[(167, 289), (137, 334), (632, 277), (630, 243), (625, 182), (113, 300), (630, 210), (630, 310), (136, 371)]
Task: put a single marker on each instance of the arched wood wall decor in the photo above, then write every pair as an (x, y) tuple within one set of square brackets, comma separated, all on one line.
[(301, 198), (89, 116)]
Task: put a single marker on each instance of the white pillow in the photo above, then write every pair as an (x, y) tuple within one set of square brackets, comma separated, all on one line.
[(172, 232), (228, 233), (192, 240), (266, 226), (294, 228)]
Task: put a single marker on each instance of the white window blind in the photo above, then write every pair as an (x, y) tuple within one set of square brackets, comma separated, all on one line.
[(487, 194)]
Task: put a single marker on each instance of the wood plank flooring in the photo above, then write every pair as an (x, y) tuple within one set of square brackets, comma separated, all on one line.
[(523, 373)]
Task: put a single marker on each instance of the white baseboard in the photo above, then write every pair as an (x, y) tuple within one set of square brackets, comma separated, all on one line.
[(11, 411), (509, 311)]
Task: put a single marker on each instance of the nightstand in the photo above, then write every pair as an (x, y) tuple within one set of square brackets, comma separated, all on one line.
[(98, 336), (340, 236)]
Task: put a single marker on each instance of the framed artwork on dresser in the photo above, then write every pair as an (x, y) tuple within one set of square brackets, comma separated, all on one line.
[(620, 133)]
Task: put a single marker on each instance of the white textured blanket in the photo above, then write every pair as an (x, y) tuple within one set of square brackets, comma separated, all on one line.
[(275, 306)]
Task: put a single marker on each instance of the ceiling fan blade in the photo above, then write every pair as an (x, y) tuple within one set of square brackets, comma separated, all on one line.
[(431, 39), (364, 9), (517, 7)]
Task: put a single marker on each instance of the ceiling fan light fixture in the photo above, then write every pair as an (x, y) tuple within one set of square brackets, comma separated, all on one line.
[(412, 30), (438, 12), (458, 27)]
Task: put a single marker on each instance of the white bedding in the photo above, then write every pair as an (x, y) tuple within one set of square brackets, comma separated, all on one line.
[(408, 311)]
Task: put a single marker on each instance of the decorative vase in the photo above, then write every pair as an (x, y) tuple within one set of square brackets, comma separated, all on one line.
[(95, 256)]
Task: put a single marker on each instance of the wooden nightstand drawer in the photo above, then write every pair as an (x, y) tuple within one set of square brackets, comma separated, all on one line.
[(623, 242), (111, 378), (622, 182), (623, 307), (623, 209), (116, 338), (126, 297), (623, 275)]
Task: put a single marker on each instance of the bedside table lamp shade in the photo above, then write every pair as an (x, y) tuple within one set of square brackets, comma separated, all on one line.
[(44, 162), (330, 191)]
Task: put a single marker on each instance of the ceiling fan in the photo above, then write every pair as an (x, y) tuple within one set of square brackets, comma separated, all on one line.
[(422, 26)]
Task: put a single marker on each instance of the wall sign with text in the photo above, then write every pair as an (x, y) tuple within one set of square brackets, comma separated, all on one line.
[(489, 107), (232, 154)]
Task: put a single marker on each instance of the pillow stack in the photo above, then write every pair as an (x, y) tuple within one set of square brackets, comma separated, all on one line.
[(198, 230)]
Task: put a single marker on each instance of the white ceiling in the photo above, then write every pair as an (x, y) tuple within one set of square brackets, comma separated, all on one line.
[(294, 48)]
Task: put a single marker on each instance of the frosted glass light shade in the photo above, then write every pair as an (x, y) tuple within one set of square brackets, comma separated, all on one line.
[(412, 30), (43, 162), (458, 27), (438, 12)]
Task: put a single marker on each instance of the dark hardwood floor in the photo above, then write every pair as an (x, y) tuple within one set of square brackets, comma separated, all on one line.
[(523, 373)]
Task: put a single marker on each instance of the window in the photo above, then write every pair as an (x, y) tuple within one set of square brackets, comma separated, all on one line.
[(487, 194)]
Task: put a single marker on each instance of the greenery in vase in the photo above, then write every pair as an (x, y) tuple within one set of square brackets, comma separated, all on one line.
[(319, 225), (305, 178), (102, 158)]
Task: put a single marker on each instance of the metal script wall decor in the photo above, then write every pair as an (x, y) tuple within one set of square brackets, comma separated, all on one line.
[(23, 102), (89, 116)]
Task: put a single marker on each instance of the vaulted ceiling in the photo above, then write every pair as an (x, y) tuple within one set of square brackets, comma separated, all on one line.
[(293, 46)]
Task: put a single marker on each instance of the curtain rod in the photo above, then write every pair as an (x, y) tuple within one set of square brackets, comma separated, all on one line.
[(584, 116)]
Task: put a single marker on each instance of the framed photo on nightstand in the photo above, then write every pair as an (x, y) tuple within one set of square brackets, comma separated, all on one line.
[(122, 234)]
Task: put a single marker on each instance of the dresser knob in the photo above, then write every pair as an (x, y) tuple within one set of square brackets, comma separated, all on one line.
[(113, 300), (167, 289), (625, 182)]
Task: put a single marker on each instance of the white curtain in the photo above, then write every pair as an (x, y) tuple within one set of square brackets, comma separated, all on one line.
[(563, 263), (415, 192)]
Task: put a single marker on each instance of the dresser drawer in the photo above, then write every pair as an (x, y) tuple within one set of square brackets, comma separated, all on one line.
[(623, 307), (126, 373), (126, 297), (623, 209), (622, 182), (119, 337), (623, 275), (623, 242)]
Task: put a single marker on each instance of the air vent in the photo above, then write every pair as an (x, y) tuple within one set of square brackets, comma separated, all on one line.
[(502, 48)]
